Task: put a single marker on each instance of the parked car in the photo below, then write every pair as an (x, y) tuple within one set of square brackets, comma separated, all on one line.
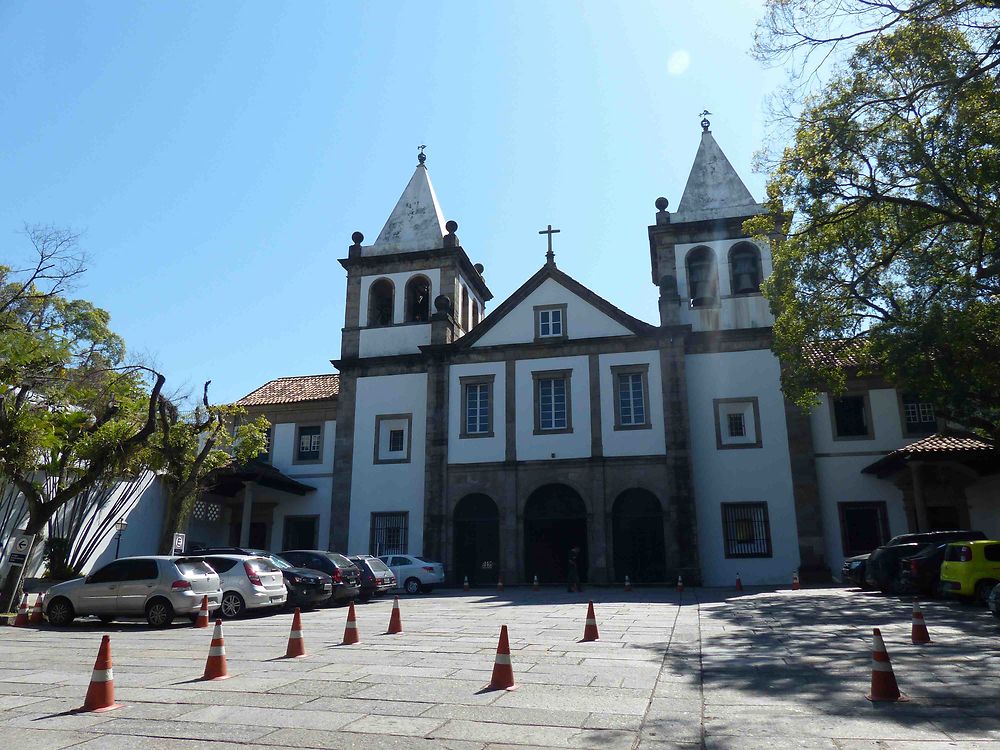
[(853, 570), (248, 582), (921, 573), (376, 578), (994, 602), (157, 588), (971, 569), (306, 587), (882, 566), (414, 574), (346, 578)]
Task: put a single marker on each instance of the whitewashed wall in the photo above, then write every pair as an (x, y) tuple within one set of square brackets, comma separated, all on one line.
[(478, 449), (388, 487), (583, 319), (632, 442), (732, 312), (984, 506), (575, 444), (401, 339), (741, 475), (318, 475), (142, 534)]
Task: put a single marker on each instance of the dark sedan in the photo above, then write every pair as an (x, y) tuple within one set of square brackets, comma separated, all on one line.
[(306, 587), (376, 578), (346, 577), (921, 574), (853, 570)]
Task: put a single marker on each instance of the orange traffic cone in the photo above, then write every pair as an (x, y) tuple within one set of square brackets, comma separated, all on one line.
[(296, 644), (21, 621), (395, 621), (215, 667), (884, 687), (503, 672), (37, 617), (202, 620), (534, 586), (101, 693), (590, 628), (739, 583), (628, 584), (795, 581), (465, 586), (500, 584), (680, 585), (918, 631), (351, 629)]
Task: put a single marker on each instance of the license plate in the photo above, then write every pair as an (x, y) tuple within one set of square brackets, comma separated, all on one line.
[(328, 587), (275, 599)]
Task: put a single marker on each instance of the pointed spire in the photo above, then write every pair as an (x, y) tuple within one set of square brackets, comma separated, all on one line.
[(416, 223), (714, 189)]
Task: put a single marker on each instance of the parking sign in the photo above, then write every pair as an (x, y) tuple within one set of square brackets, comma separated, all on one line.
[(179, 543)]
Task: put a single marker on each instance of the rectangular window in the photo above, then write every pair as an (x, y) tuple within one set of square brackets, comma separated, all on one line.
[(396, 440), (746, 530), (477, 406), (552, 403), (737, 424), (300, 532), (310, 440), (631, 390), (863, 527), (550, 322), (389, 533), (918, 416), (851, 417)]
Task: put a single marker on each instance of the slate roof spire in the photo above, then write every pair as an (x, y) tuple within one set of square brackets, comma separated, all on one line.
[(714, 190), (416, 223)]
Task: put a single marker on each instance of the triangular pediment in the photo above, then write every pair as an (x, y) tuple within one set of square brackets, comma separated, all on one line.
[(587, 314)]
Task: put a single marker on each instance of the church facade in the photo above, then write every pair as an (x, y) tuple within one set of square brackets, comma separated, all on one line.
[(497, 442)]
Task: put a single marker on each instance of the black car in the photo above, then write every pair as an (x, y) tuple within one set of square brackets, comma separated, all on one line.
[(345, 574), (882, 567), (853, 570), (376, 578), (306, 587), (921, 573)]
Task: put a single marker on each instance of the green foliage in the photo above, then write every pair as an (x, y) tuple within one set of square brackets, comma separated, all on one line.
[(893, 181), (56, 555)]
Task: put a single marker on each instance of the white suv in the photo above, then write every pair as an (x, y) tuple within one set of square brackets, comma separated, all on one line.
[(414, 574), (248, 582), (157, 587)]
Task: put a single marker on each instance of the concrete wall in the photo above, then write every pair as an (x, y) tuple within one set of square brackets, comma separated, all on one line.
[(388, 487), (582, 319), (744, 474)]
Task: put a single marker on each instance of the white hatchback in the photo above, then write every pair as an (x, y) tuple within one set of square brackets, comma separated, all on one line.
[(414, 574), (248, 582)]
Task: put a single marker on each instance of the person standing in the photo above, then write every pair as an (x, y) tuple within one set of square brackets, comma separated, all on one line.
[(573, 570)]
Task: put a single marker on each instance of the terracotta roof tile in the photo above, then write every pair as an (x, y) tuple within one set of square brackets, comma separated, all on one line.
[(942, 443), (833, 353), (293, 390)]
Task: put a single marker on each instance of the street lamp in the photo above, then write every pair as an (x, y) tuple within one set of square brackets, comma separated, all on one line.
[(120, 528)]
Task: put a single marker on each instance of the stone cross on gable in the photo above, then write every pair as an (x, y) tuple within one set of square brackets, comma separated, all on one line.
[(550, 257)]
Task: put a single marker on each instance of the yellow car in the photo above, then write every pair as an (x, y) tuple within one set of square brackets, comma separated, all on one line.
[(971, 569)]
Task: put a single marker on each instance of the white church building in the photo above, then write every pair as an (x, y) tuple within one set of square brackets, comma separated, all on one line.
[(497, 442)]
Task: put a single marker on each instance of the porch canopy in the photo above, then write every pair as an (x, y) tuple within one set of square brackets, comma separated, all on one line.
[(961, 448)]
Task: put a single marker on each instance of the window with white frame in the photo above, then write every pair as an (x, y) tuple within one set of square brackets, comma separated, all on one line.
[(552, 401), (309, 444), (737, 422), (477, 406), (550, 322), (631, 396), (918, 416)]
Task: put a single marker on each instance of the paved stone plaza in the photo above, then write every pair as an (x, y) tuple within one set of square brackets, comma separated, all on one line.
[(763, 670)]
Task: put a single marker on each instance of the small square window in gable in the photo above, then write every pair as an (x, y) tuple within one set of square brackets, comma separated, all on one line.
[(737, 423), (550, 322), (393, 438)]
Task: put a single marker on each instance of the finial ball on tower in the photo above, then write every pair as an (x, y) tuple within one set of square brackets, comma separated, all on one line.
[(452, 226), (442, 303), (661, 203), (358, 238), (479, 268)]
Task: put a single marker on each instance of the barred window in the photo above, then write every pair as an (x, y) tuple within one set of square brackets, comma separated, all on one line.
[(389, 533), (396, 440), (746, 530), (737, 424)]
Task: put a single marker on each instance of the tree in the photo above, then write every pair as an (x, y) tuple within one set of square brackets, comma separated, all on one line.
[(73, 412), (892, 178), (188, 447)]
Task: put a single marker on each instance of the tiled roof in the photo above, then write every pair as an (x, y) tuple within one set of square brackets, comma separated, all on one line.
[(833, 353), (951, 442), (294, 390), (943, 446)]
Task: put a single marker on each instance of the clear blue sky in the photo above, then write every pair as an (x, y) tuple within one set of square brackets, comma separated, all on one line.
[(218, 155)]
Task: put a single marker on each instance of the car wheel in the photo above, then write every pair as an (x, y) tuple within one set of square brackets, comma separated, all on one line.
[(412, 586), (106, 619), (983, 589), (60, 611), (159, 613), (232, 605)]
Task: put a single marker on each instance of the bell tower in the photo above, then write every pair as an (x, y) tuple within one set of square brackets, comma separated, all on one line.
[(708, 271)]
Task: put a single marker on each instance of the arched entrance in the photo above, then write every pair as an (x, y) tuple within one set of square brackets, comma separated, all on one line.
[(637, 526), (555, 521), (477, 539)]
